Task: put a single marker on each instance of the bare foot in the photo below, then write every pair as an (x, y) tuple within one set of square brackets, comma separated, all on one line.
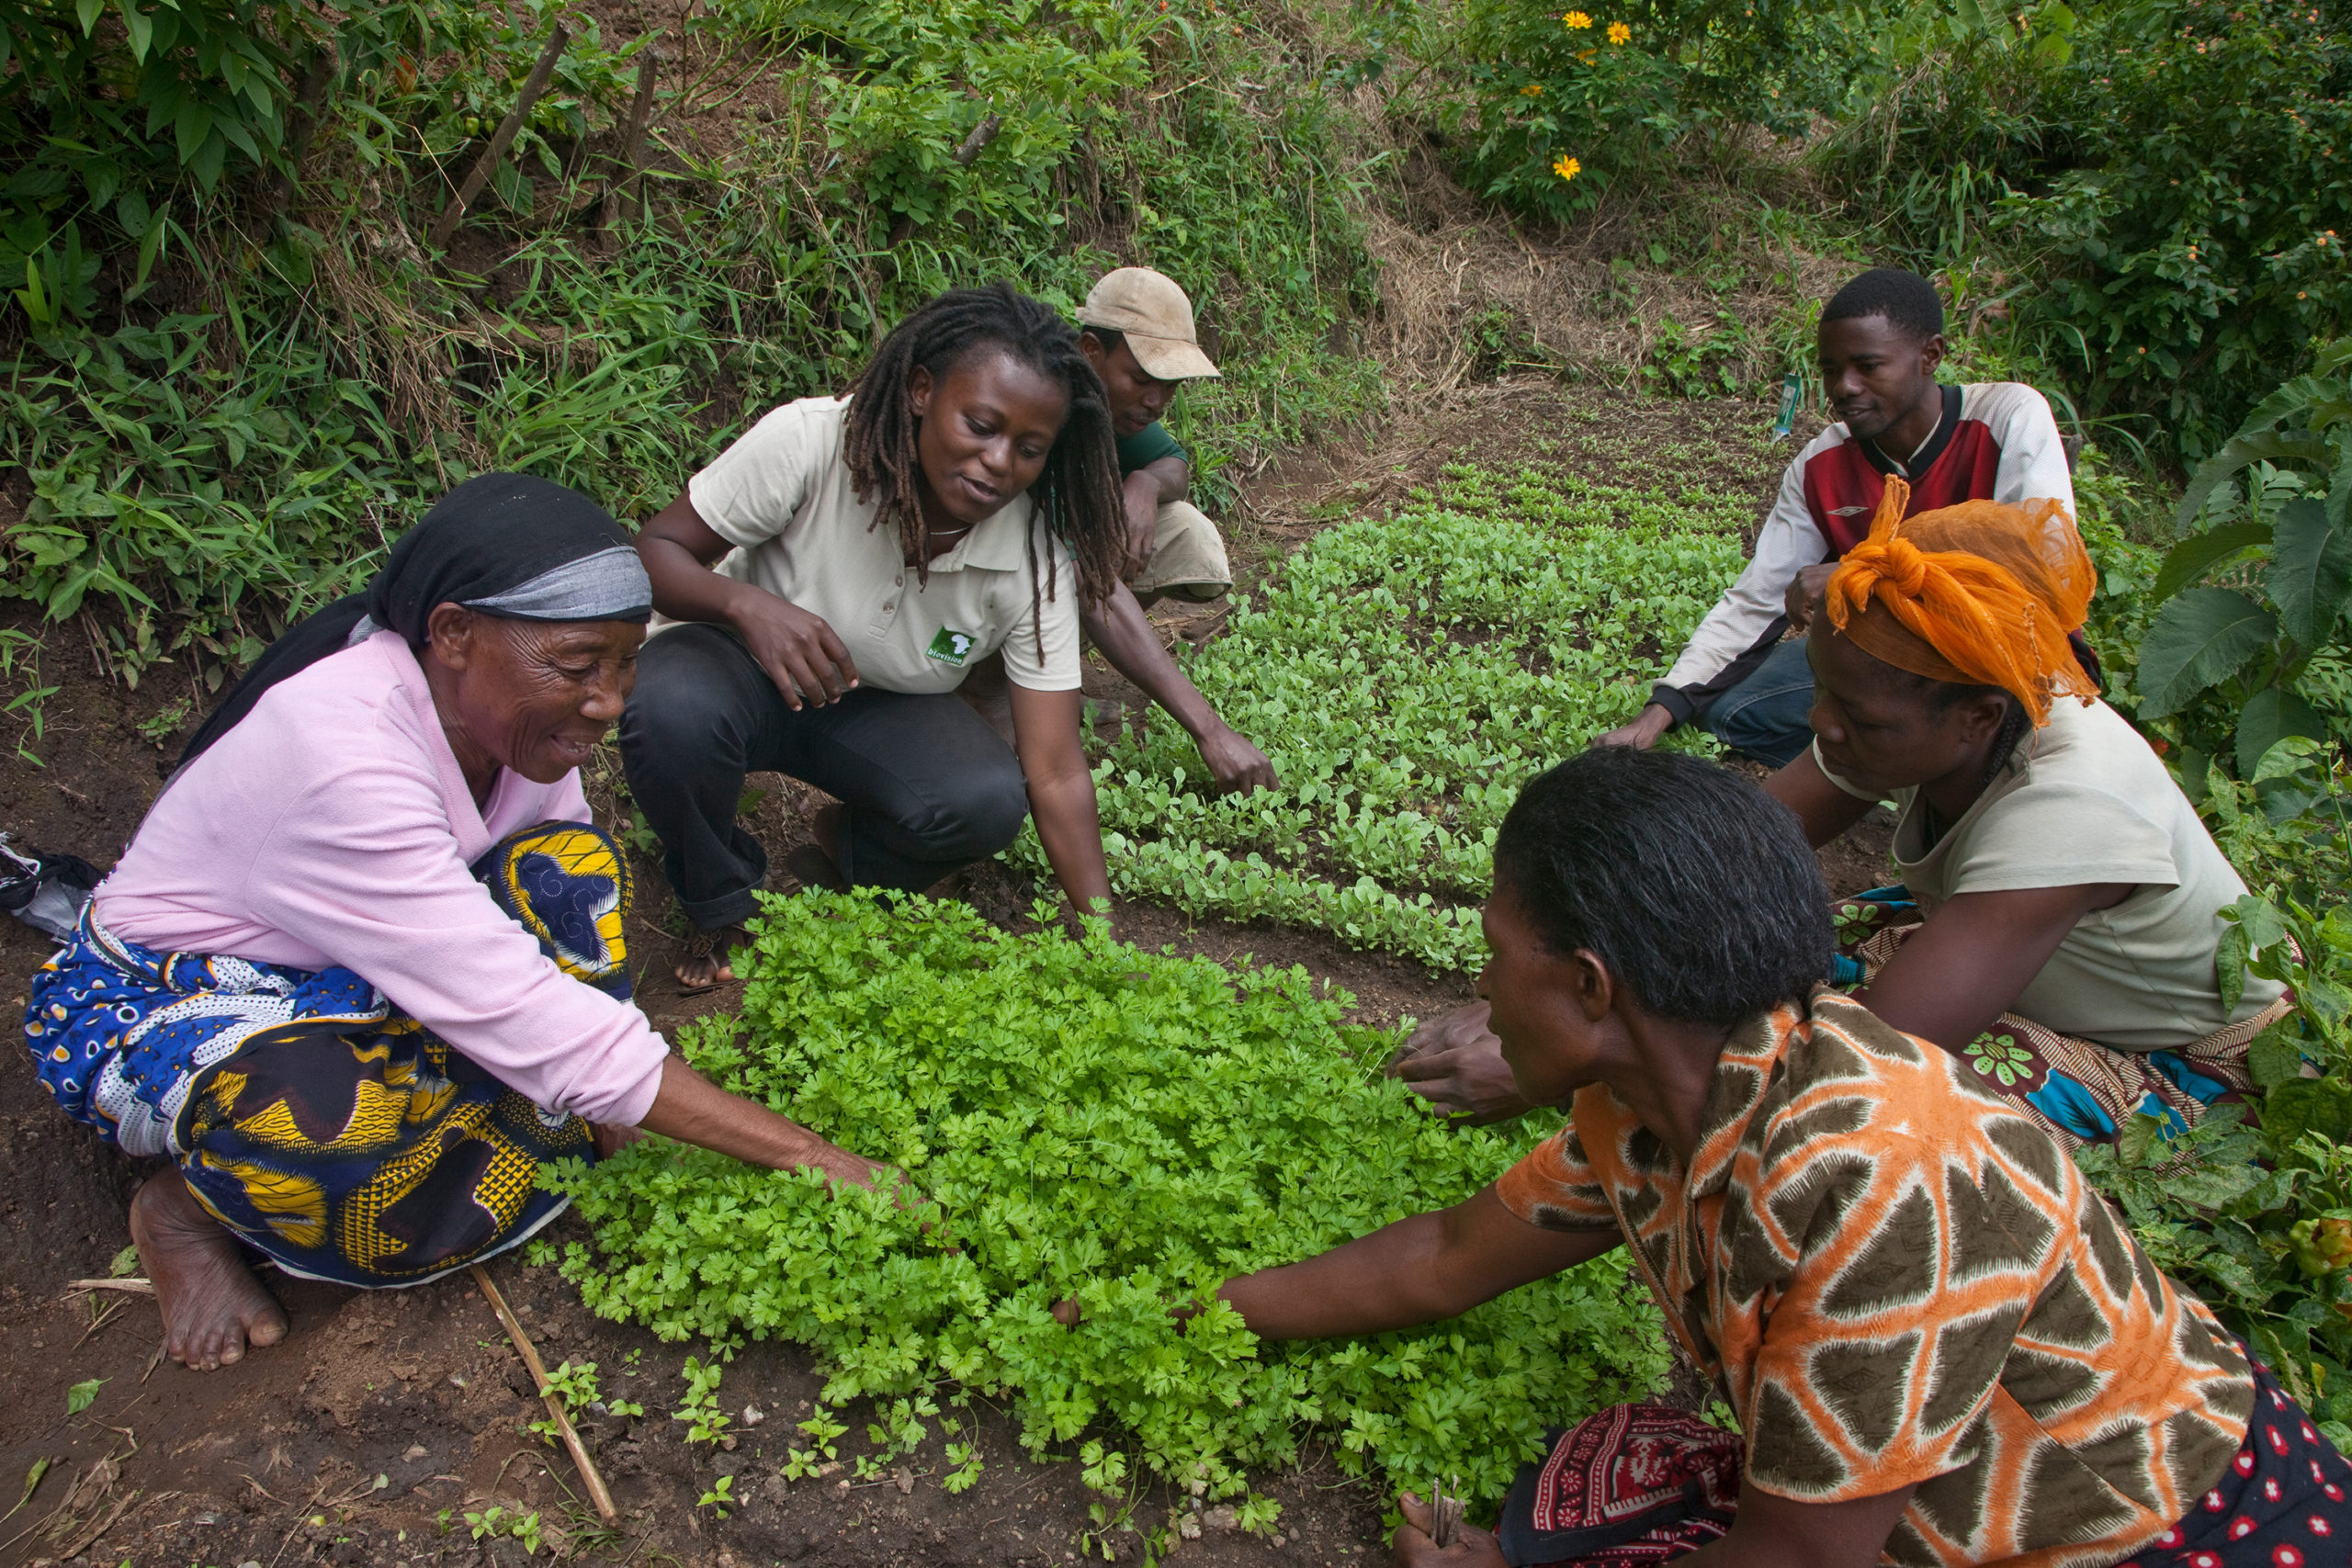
[(705, 970), (213, 1307)]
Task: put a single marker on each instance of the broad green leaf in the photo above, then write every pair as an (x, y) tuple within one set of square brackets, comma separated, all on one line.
[(2270, 716), (2200, 637), (2287, 757), (79, 1397), (2275, 1055), (2310, 568), (88, 12), (2242, 451), (2260, 919), (139, 29), (126, 1263), (2228, 965), (206, 164), (2200, 553), (191, 126)]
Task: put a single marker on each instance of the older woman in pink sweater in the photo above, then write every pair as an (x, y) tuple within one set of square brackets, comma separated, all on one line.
[(361, 972)]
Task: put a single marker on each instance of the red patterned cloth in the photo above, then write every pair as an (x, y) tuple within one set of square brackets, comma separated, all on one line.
[(1627, 1488)]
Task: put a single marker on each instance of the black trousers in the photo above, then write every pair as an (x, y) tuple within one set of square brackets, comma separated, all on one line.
[(928, 785)]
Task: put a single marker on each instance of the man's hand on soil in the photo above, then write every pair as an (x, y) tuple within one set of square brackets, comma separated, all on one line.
[(1806, 593), (1238, 766), (1412, 1548), (1643, 732), (1456, 1063)]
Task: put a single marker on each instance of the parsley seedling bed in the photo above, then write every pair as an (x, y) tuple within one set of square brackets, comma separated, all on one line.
[(1093, 1123)]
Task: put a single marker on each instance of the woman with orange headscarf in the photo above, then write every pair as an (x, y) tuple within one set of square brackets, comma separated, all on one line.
[(2067, 890)]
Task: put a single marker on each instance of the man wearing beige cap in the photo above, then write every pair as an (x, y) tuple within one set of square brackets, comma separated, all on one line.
[(1136, 329)]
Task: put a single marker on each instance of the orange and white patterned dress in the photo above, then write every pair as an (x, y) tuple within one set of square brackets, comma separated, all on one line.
[(1895, 1278)]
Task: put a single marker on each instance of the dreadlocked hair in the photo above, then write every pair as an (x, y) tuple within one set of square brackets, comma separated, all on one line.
[(1075, 500)]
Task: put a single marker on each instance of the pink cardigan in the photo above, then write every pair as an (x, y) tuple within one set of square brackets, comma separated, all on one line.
[(333, 827)]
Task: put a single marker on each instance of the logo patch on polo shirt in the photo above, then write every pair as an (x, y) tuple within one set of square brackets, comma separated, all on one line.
[(951, 647)]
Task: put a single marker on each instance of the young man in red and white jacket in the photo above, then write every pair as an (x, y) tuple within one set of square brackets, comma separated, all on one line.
[(1742, 677)]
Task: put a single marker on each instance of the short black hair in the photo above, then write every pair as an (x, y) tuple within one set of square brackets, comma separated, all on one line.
[(1904, 298), (1696, 888), (1109, 337)]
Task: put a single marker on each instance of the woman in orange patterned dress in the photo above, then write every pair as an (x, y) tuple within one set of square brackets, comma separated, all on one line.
[(1940, 1347)]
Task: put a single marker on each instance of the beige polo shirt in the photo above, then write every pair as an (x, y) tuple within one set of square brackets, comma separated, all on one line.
[(2084, 799), (781, 495)]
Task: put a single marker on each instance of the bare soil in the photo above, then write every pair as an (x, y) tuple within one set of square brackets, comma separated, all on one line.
[(385, 1414)]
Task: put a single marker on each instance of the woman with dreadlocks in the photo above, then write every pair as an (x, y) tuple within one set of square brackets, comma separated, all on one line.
[(837, 571)]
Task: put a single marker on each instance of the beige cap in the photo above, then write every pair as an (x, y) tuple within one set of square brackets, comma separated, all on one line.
[(1157, 320)]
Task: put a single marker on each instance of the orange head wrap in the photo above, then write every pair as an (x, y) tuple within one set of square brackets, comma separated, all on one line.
[(1980, 594)]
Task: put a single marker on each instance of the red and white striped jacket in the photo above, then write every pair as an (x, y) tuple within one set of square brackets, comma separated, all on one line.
[(1995, 441)]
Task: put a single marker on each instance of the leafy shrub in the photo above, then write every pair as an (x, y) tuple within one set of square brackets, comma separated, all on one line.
[(192, 494), (2165, 191), (2247, 643), (2242, 661), (1406, 676), (1548, 104), (2194, 259), (614, 365), (1090, 1121)]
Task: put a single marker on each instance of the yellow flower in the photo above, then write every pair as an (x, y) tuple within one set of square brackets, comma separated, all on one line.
[(1567, 168), (1620, 33), (1576, 20), (1532, 90)]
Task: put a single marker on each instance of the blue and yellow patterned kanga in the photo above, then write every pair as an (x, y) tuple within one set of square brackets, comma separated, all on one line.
[(340, 1138)]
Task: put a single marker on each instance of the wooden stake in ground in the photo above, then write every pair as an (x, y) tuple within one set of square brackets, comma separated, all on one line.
[(523, 1347), (619, 195), (542, 72)]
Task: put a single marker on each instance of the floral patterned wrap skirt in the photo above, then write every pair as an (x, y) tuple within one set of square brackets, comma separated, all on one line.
[(2077, 1091), (341, 1140)]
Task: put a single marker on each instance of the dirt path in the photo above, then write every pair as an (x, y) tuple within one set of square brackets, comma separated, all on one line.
[(384, 1415)]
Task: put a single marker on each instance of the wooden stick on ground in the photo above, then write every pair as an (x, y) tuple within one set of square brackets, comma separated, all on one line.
[(596, 1482), (542, 72), (136, 1287)]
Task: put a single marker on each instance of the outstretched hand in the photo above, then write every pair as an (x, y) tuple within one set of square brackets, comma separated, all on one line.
[(1456, 1063), (1412, 1548), (1238, 766), (1641, 732)]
